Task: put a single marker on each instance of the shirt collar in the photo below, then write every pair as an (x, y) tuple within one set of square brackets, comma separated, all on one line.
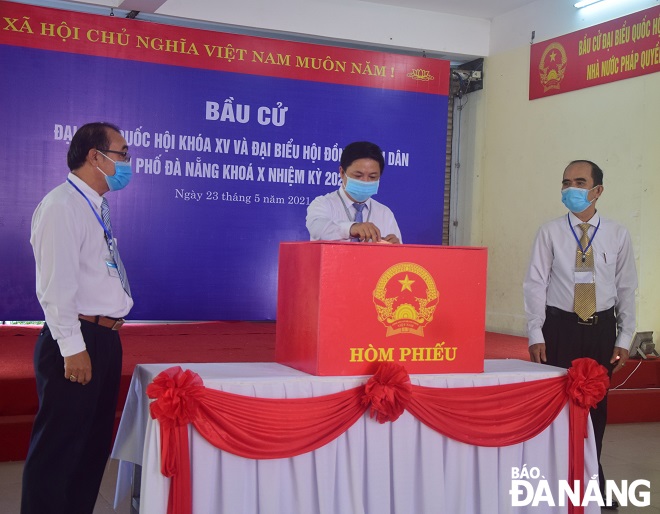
[(350, 202), (575, 221), (92, 195)]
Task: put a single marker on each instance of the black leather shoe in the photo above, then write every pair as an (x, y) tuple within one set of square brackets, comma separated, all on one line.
[(614, 506)]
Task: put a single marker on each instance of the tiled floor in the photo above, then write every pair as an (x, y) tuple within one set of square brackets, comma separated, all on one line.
[(630, 452), (10, 489)]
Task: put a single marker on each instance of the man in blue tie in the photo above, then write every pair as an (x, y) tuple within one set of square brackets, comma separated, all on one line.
[(84, 292), (349, 213)]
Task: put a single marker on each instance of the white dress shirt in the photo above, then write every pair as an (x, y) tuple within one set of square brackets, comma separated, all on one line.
[(330, 217), (550, 278), (71, 261)]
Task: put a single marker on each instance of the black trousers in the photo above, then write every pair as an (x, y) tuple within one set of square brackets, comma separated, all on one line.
[(567, 340), (72, 432)]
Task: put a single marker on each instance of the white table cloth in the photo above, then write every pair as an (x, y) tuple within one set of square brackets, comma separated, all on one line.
[(393, 468)]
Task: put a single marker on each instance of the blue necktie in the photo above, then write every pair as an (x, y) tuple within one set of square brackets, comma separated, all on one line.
[(114, 251), (358, 216)]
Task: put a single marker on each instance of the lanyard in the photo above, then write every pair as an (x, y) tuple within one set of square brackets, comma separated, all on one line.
[(583, 250), (108, 233), (348, 214)]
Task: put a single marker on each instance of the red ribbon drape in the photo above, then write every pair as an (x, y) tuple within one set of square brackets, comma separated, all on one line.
[(586, 384), (266, 428)]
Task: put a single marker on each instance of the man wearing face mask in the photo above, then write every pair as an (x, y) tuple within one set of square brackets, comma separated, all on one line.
[(563, 320), (84, 292), (349, 213)]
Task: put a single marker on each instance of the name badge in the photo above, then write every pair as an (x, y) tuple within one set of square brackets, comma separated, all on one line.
[(584, 277), (111, 267)]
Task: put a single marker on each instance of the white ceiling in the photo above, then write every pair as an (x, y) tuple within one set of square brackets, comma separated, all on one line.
[(456, 30), (487, 9)]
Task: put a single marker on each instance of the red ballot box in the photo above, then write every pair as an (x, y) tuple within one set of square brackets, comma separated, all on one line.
[(343, 308)]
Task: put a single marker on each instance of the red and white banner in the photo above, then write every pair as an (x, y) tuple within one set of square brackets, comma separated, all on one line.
[(619, 49), (137, 40), (270, 428)]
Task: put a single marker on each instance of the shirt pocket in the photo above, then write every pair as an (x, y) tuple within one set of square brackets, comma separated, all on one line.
[(606, 258), (606, 267)]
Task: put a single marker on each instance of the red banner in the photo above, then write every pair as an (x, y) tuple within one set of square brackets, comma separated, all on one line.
[(619, 49), (64, 31)]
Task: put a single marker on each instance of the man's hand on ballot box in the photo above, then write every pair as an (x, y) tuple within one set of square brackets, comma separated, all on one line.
[(368, 232)]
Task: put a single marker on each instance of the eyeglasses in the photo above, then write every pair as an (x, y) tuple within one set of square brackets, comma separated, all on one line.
[(125, 156)]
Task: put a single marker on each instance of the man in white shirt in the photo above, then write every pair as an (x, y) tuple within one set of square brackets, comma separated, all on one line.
[(84, 293), (557, 335), (349, 213)]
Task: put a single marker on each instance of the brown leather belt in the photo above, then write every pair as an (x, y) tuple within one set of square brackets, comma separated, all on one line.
[(113, 323)]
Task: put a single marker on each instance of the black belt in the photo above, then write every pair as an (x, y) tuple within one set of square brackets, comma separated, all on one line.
[(592, 320)]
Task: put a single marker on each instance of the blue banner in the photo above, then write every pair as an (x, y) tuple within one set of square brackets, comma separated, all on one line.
[(225, 165)]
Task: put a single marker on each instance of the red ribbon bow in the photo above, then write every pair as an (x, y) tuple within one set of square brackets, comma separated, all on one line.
[(175, 406), (587, 382), (174, 393), (586, 385), (388, 392)]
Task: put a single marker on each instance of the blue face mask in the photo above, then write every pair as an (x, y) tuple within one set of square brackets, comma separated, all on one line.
[(575, 198), (122, 176), (361, 191)]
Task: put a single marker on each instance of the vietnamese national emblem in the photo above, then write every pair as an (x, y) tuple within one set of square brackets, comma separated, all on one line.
[(552, 66), (405, 298)]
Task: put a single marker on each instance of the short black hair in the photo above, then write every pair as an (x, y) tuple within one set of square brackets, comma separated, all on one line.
[(596, 172), (90, 135), (362, 150)]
